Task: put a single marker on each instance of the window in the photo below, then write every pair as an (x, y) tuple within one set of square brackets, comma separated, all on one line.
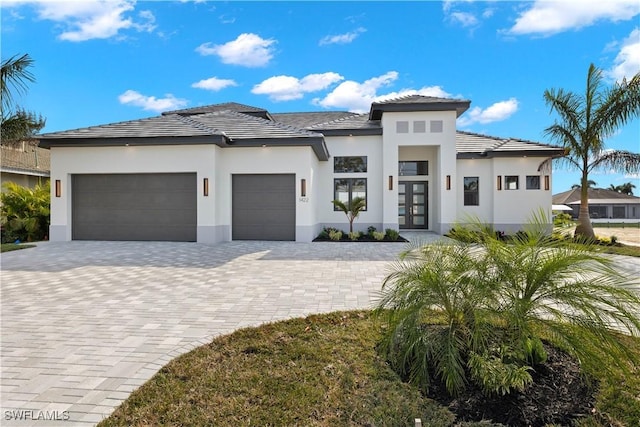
[(413, 168), (436, 126), (402, 127), (511, 182), (350, 164), (347, 189), (619, 212), (598, 211), (533, 182), (471, 192), (419, 127)]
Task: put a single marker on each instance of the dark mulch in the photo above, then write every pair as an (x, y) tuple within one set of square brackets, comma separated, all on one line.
[(559, 395), (364, 238)]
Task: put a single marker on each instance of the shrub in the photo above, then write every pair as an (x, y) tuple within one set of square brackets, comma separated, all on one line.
[(25, 212), (354, 235), (378, 235), (352, 209), (562, 220), (392, 234), (335, 235), (492, 301), (614, 240), (370, 230)]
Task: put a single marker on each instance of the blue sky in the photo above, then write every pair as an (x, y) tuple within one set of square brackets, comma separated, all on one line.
[(102, 62)]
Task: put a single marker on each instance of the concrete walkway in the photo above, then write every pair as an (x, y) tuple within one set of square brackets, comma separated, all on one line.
[(86, 323)]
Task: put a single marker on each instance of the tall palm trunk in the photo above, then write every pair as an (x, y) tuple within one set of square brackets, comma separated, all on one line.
[(584, 228)]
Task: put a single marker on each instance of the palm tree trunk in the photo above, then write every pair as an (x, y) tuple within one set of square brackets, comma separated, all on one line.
[(584, 228)]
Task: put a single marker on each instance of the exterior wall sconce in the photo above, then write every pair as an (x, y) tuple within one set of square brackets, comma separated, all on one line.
[(390, 182), (499, 182), (448, 182), (58, 188), (205, 186), (546, 182), (303, 187)]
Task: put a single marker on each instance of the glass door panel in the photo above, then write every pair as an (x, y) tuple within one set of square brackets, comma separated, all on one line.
[(412, 204)]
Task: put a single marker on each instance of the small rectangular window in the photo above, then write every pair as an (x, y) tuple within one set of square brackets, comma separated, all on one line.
[(436, 126), (347, 164), (619, 212), (471, 191), (402, 127), (533, 182), (511, 182), (413, 168), (419, 126), (347, 189)]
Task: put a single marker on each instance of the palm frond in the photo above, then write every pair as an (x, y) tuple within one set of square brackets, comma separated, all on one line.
[(14, 76)]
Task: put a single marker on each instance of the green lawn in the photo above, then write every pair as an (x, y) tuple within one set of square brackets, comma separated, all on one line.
[(8, 247), (320, 371)]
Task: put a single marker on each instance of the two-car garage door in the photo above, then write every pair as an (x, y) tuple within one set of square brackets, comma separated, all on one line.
[(163, 206), (154, 206)]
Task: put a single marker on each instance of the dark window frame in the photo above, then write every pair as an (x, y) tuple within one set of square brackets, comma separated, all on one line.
[(417, 162), (471, 196), (508, 179), (350, 185), (531, 181)]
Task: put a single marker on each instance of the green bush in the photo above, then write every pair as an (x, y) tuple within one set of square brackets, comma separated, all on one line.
[(562, 220), (392, 234), (25, 212), (497, 300), (354, 235), (378, 235), (335, 235)]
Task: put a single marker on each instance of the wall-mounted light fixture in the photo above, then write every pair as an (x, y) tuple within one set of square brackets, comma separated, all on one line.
[(499, 182), (205, 186), (58, 188), (546, 182), (303, 187), (448, 182), (390, 182)]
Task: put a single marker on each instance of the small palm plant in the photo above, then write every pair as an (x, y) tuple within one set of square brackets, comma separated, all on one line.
[(479, 312), (351, 210), (25, 211)]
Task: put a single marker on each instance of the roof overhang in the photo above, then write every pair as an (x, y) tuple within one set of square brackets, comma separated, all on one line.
[(459, 106), (317, 144), (20, 171), (124, 141), (494, 154), (350, 132)]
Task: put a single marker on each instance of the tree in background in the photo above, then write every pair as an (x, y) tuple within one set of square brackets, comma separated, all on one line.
[(626, 188), (590, 184), (17, 124)]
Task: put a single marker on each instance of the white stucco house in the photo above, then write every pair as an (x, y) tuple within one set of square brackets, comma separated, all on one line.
[(235, 172)]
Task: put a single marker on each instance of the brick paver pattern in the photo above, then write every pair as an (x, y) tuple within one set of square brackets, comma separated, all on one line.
[(86, 323)]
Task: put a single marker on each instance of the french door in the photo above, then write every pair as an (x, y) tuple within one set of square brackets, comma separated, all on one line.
[(412, 204)]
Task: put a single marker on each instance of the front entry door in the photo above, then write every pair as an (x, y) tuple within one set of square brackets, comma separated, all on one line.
[(412, 204)]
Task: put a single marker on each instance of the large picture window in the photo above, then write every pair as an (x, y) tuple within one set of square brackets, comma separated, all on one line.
[(346, 164), (347, 189), (471, 191)]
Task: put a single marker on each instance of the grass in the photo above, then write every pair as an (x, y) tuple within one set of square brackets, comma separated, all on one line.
[(323, 370), (8, 247), (616, 224), (620, 250)]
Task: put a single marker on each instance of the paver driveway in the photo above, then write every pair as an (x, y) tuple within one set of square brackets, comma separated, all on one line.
[(86, 323)]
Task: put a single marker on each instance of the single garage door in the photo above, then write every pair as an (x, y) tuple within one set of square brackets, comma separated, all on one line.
[(158, 206), (264, 207)]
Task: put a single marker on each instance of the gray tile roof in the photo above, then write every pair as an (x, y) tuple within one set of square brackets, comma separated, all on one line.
[(418, 103), (227, 106), (307, 120), (418, 99), (595, 195), (26, 157), (483, 145)]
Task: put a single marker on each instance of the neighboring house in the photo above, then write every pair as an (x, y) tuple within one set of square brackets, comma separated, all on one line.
[(25, 164), (603, 203), (234, 172)]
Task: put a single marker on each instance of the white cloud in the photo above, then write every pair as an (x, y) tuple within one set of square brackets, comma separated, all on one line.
[(87, 20), (169, 102), (497, 112), (286, 88), (627, 62), (248, 50), (214, 84), (342, 38), (464, 18), (551, 17), (357, 97)]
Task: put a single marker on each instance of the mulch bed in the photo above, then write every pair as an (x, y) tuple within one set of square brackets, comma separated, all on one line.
[(365, 238), (558, 395)]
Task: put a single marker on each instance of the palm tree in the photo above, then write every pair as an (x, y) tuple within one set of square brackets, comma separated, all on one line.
[(590, 184), (586, 121), (351, 210), (17, 124), (626, 188)]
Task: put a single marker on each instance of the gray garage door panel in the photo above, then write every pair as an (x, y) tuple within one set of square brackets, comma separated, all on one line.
[(264, 207), (134, 207)]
